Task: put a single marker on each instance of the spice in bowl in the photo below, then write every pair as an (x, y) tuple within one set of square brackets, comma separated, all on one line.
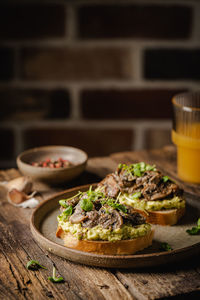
[(49, 163)]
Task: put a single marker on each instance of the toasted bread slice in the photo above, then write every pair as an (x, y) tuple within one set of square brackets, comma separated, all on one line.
[(165, 217), (104, 247)]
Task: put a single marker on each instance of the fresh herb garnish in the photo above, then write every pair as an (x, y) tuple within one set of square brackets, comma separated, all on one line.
[(120, 166), (194, 230), (94, 195), (34, 265), (68, 211), (165, 178), (114, 204), (136, 195), (165, 247), (68, 208), (86, 204), (137, 169), (55, 279), (63, 203)]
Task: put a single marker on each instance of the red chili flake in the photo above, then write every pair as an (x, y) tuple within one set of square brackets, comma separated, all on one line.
[(48, 163)]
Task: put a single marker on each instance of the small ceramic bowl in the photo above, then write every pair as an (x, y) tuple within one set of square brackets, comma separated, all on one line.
[(56, 175)]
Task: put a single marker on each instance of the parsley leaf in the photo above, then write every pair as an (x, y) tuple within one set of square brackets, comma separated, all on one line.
[(137, 169), (115, 205), (55, 279), (194, 230), (63, 203), (165, 178), (34, 265), (165, 247), (86, 204), (68, 211)]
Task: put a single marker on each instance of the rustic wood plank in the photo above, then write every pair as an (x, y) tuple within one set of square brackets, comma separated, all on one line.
[(17, 247), (160, 284)]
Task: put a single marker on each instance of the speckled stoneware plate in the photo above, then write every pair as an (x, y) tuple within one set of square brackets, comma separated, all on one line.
[(44, 225)]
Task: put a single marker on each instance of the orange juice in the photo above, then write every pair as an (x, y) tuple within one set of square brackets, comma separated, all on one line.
[(188, 151)]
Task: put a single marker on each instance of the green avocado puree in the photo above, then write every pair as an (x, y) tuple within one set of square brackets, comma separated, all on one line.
[(99, 233), (175, 202)]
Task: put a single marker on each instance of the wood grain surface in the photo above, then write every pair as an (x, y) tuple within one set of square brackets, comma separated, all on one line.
[(17, 246)]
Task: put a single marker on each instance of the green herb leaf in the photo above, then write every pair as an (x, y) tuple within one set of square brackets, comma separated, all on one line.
[(63, 203), (165, 247), (194, 230), (115, 205), (55, 279), (165, 178), (150, 168), (86, 204), (137, 169), (34, 265), (68, 211), (120, 166), (136, 195), (94, 195)]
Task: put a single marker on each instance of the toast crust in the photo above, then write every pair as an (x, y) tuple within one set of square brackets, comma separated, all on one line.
[(165, 217), (104, 247)]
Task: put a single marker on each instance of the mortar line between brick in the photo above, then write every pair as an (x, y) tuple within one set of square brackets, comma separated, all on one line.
[(110, 84), (18, 140), (103, 43), (138, 142), (81, 123), (75, 104), (196, 23), (137, 2), (71, 23)]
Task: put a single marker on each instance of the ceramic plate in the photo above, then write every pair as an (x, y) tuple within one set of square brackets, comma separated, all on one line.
[(44, 225)]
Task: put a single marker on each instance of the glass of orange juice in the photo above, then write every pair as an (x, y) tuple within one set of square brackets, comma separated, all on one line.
[(186, 135)]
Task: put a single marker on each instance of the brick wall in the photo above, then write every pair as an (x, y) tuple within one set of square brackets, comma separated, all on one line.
[(98, 75)]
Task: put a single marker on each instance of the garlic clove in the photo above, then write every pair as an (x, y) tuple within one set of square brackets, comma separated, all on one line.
[(18, 198), (30, 203), (22, 184), (15, 196)]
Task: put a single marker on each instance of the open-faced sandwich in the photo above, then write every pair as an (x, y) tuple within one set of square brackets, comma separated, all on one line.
[(92, 222), (145, 188)]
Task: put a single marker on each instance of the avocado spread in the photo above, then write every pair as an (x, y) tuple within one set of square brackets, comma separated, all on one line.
[(99, 233), (173, 203)]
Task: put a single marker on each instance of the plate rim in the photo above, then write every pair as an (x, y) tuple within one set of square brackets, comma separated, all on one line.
[(37, 232)]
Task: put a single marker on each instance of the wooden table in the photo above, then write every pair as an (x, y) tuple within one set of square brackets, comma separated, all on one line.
[(17, 246)]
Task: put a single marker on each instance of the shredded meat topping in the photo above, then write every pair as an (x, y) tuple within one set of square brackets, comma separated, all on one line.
[(106, 216), (150, 184)]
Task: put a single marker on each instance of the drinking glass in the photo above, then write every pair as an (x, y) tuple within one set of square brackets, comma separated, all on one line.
[(186, 135)]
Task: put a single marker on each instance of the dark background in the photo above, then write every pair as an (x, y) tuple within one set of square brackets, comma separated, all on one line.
[(98, 75)]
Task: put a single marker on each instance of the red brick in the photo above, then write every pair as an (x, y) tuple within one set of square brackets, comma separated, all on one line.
[(6, 63), (7, 144), (127, 104), (96, 142), (30, 21), (157, 138), (75, 63), (134, 21), (172, 64), (34, 104)]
